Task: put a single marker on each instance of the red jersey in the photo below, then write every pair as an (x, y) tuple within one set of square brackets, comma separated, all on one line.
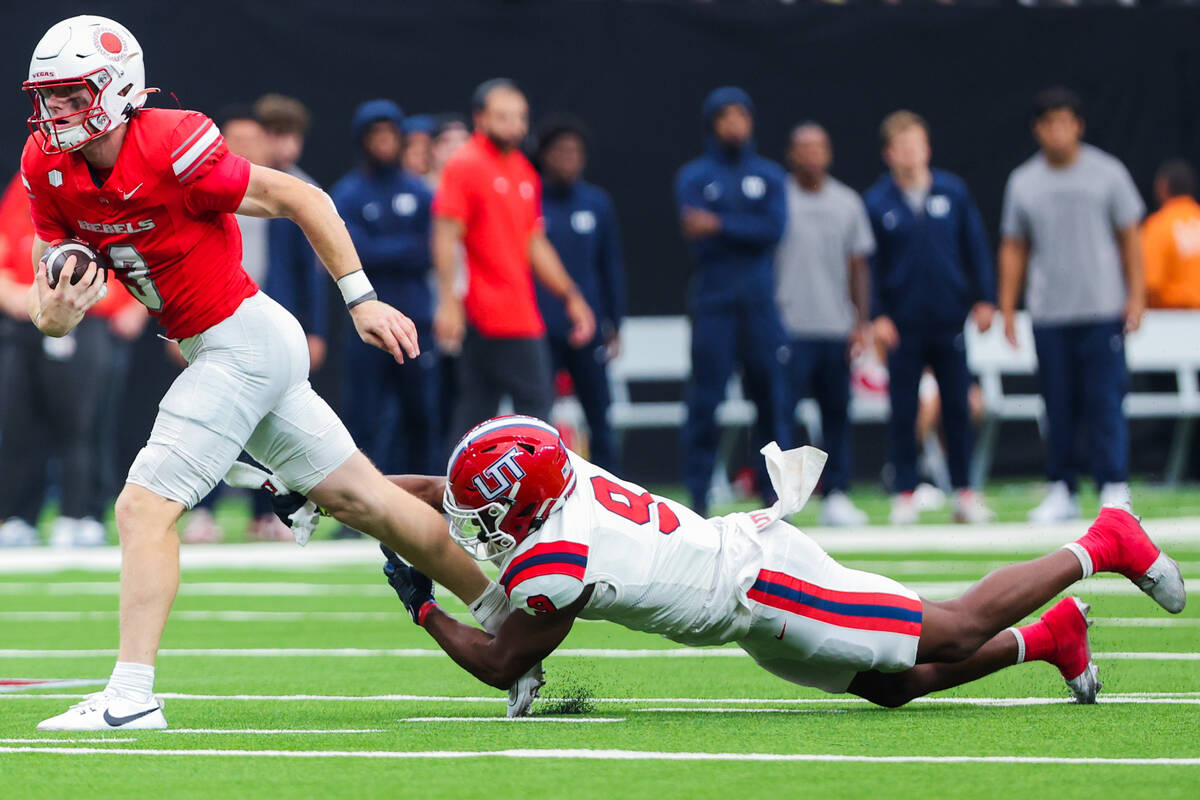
[(16, 246), (498, 197), (163, 215)]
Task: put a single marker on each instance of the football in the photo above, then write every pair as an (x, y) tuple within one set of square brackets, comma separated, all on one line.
[(59, 253)]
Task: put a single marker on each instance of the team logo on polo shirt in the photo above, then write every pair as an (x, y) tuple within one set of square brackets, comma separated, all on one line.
[(404, 204), (583, 222), (55, 178), (938, 205), (500, 185), (712, 191), (753, 187), (890, 219), (526, 190), (370, 212)]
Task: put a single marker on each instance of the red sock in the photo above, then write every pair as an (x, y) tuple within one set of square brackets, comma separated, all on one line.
[(1111, 547), (1039, 642)]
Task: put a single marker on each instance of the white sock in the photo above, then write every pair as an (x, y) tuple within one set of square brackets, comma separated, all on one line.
[(1085, 558), (1020, 644), (490, 609), (133, 681)]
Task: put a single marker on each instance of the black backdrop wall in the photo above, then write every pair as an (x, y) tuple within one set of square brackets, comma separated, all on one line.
[(637, 71)]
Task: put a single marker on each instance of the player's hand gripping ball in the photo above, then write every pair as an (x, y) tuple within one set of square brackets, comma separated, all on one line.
[(59, 253)]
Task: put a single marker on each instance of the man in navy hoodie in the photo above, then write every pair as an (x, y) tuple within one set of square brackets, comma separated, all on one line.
[(391, 409), (582, 226), (732, 209), (931, 269)]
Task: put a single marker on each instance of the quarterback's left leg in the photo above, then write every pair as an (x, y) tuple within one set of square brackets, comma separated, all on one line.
[(305, 443)]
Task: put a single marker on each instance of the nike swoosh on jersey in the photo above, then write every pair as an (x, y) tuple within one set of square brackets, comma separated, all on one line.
[(117, 722), (132, 192)]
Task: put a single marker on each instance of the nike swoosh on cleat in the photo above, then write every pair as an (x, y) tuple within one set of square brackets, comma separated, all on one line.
[(117, 722)]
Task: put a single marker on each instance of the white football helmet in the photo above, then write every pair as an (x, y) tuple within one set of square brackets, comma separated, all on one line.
[(88, 53)]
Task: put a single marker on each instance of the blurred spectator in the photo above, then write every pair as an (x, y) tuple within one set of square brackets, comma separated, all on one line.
[(1171, 240), (51, 395), (582, 226), (449, 135), (932, 268), (391, 409), (489, 202), (295, 277), (246, 137), (418, 145), (823, 294), (1070, 215), (732, 209)]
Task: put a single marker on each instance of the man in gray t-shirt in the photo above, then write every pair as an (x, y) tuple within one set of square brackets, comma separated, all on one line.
[(823, 293), (1070, 218)]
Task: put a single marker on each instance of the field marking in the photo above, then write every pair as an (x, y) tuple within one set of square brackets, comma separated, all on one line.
[(53, 683), (702, 710), (61, 741), (615, 755), (512, 719), (933, 589), (423, 652), (1135, 698), (271, 731), (1003, 537)]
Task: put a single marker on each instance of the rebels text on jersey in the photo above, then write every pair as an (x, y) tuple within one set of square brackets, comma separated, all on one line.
[(163, 215), (656, 565)]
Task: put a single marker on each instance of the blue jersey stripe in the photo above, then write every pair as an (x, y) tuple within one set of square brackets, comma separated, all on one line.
[(835, 607), (542, 558)]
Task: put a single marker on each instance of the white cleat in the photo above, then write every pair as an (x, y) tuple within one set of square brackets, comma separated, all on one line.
[(839, 511), (1164, 583), (525, 691), (1059, 505), (104, 711)]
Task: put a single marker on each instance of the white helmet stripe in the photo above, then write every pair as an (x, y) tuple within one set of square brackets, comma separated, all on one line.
[(496, 424)]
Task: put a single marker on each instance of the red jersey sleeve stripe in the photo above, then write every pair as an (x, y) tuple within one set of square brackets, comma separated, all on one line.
[(195, 154)]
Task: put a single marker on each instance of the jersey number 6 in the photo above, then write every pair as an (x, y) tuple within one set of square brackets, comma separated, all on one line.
[(633, 507)]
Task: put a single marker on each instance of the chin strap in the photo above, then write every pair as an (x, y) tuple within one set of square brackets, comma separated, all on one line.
[(303, 521)]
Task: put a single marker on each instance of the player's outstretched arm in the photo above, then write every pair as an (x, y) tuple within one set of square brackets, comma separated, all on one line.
[(522, 641), (270, 194)]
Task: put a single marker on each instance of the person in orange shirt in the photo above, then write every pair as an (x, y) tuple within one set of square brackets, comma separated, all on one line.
[(52, 395), (1171, 240)]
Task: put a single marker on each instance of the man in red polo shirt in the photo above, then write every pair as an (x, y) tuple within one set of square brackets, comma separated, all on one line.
[(490, 201)]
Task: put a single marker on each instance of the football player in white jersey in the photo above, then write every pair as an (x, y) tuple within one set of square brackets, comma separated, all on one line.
[(574, 541)]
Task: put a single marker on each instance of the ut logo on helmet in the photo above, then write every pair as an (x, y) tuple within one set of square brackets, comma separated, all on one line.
[(498, 478)]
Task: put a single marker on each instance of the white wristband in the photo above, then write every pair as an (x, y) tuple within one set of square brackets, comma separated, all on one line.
[(355, 288)]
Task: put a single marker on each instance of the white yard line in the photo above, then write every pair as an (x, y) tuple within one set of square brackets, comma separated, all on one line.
[(931, 589), (614, 755), (513, 719), (416, 652), (1005, 537), (273, 731), (385, 616), (63, 741), (1133, 698)]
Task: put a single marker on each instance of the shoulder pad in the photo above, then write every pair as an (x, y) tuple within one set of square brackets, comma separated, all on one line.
[(547, 577)]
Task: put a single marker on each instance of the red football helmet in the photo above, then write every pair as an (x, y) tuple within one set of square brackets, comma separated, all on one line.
[(505, 477)]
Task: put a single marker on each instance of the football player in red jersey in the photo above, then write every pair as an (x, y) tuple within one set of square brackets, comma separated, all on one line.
[(153, 191)]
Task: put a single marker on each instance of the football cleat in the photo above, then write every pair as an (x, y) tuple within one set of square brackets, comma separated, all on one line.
[(1067, 621), (1127, 549), (108, 711), (522, 693)]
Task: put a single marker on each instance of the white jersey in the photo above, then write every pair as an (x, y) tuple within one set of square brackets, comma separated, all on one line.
[(656, 565)]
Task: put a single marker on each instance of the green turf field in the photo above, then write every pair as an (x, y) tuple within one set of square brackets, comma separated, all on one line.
[(312, 682)]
